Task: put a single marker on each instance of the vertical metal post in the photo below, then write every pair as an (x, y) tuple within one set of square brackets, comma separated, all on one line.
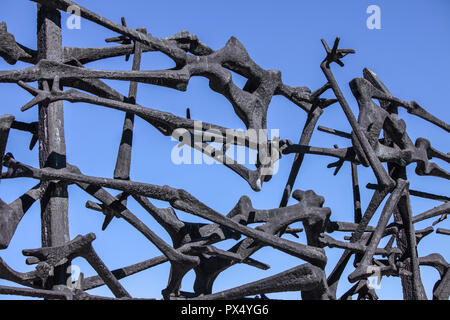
[(52, 146), (412, 285), (305, 138), (356, 194), (123, 163)]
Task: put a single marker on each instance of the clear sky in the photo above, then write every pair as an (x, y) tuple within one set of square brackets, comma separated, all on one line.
[(409, 53)]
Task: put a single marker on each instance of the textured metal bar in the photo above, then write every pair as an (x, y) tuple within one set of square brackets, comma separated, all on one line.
[(52, 146)]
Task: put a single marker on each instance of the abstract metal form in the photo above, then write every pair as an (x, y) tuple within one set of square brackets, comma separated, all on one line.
[(56, 67)]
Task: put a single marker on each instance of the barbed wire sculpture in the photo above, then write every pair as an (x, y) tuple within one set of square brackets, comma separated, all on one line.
[(55, 67)]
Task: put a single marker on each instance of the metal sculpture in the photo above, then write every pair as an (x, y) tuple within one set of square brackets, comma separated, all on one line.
[(193, 244)]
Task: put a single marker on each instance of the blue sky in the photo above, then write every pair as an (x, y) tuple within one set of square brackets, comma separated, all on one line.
[(409, 53)]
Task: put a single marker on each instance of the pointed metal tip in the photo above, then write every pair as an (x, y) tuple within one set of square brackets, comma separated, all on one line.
[(106, 222), (33, 141), (369, 71), (325, 44), (188, 113)]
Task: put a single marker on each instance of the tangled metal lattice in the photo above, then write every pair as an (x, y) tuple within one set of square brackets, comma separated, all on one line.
[(55, 67)]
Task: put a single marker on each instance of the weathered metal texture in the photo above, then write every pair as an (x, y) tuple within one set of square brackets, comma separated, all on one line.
[(52, 145), (193, 245)]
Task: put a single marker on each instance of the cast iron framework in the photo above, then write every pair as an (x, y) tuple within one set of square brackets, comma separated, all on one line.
[(55, 67)]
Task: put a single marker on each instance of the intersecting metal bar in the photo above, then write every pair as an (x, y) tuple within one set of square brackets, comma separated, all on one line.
[(335, 132), (180, 199), (412, 286), (36, 293), (302, 278), (436, 211), (362, 270), (96, 281), (416, 193), (308, 130), (379, 171)]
